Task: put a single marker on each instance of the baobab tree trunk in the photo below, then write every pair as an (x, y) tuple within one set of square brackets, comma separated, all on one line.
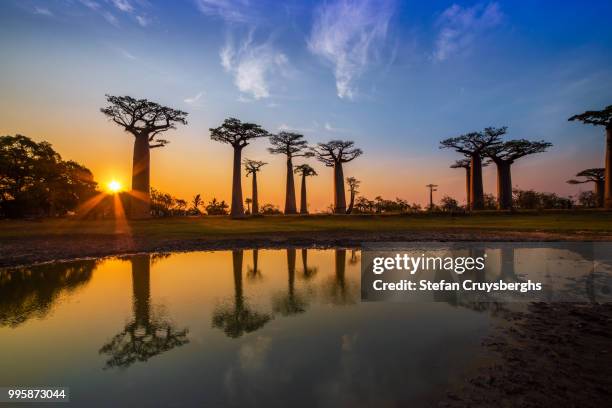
[(599, 192), (351, 203), (140, 202), (255, 197), (476, 190), (339, 196), (290, 207), (504, 186), (237, 209), (303, 202), (467, 187), (608, 170)]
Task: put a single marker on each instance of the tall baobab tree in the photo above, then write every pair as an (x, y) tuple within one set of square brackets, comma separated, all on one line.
[(253, 167), (432, 188), (333, 154), (602, 118), (593, 176), (504, 155), (237, 134), (466, 164), (472, 145), (291, 145), (353, 184), (145, 120), (305, 171)]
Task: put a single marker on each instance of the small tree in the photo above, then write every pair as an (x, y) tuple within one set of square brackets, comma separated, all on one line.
[(449, 204), (353, 184), (306, 171), (291, 145), (602, 118), (334, 154), (196, 202), (593, 176), (145, 120), (253, 167), (238, 135), (215, 207), (504, 155), (472, 145), (588, 199)]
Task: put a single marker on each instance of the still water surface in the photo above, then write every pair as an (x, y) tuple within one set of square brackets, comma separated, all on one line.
[(237, 328)]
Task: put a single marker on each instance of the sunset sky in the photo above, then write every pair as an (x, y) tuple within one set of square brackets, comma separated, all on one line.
[(395, 77)]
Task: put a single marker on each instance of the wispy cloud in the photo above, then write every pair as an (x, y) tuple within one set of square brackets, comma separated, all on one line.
[(194, 100), (460, 26), (253, 65), (348, 33), (123, 5), (143, 20), (43, 11), (228, 10)]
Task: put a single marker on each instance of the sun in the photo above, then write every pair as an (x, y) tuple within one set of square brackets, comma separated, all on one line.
[(114, 186)]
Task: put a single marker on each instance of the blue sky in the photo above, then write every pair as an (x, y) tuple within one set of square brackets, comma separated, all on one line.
[(394, 76)]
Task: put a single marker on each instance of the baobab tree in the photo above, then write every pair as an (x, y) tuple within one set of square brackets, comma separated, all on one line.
[(466, 164), (145, 120), (237, 134), (602, 118), (504, 155), (291, 145), (353, 184), (593, 176), (334, 154), (472, 145), (253, 167), (305, 171)]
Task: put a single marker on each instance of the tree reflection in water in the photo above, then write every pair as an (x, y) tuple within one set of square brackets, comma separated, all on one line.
[(148, 334), (307, 272), (291, 303), (254, 273), (338, 290), (237, 319), (30, 292)]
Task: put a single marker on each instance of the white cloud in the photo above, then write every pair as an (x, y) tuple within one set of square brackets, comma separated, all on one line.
[(229, 10), (459, 27), (252, 65), (193, 100), (143, 20), (43, 11), (348, 33), (123, 5), (110, 18), (90, 4)]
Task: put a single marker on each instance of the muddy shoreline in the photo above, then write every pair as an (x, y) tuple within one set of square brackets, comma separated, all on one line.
[(31, 250)]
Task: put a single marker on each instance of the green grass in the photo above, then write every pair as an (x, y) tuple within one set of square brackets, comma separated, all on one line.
[(194, 227)]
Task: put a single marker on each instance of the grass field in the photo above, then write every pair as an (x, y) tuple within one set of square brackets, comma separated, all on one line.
[(194, 227)]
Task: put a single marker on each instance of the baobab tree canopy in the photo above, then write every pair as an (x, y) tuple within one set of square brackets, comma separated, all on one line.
[(336, 151), (253, 166), (290, 144), (143, 117), (590, 175), (237, 133), (597, 118), (305, 170), (513, 150), (474, 142)]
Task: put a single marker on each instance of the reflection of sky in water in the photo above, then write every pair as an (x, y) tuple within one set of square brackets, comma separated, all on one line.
[(232, 328)]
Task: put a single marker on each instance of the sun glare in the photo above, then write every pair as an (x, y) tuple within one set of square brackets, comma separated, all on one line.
[(114, 186)]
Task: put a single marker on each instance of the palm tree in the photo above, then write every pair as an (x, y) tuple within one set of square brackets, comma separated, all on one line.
[(504, 155), (196, 202), (473, 144), (253, 167), (145, 120), (334, 154), (593, 176), (602, 118), (306, 171), (353, 185), (238, 135), (291, 145)]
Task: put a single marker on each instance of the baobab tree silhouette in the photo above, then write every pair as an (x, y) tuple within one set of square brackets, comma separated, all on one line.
[(353, 184), (432, 188), (291, 145), (145, 120), (253, 167), (596, 176), (473, 144), (602, 118), (306, 171), (333, 154), (238, 135), (291, 303), (504, 155), (466, 164)]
